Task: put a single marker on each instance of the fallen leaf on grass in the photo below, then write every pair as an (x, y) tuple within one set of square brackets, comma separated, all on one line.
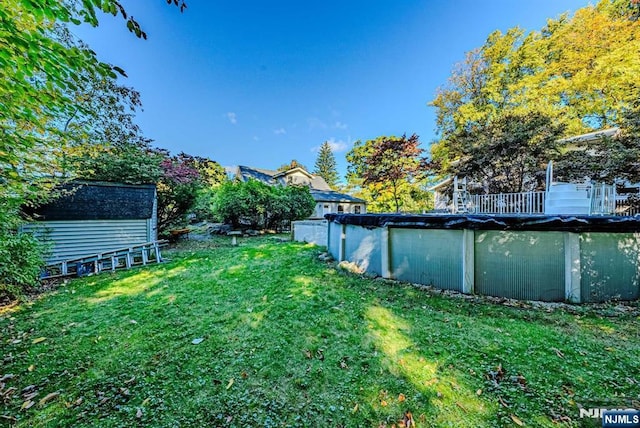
[(38, 340), (459, 404), (383, 403), (27, 404), (479, 392), (308, 354), (504, 403), (9, 392), (517, 420), (30, 395), (48, 398), (31, 368), (139, 413), (355, 408), (6, 377), (407, 420), (401, 398), (558, 352), (146, 401), (520, 380), (230, 384), (197, 341)]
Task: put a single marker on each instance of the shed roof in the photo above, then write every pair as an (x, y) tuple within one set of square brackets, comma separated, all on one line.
[(92, 200)]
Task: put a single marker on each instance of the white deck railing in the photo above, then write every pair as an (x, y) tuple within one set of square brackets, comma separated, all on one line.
[(508, 203), (623, 208), (603, 199)]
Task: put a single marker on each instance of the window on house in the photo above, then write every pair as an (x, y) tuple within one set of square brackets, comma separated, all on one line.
[(340, 209), (356, 209)]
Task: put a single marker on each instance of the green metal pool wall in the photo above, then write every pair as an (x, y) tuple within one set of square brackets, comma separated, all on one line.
[(545, 258), (609, 266), (430, 257), (520, 265)]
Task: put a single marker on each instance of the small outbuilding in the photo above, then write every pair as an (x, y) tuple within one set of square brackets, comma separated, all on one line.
[(95, 217)]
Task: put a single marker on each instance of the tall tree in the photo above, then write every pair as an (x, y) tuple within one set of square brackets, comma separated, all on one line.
[(578, 71), (39, 72), (509, 154), (325, 165), (391, 165)]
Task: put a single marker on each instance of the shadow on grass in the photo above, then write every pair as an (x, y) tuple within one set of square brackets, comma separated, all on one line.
[(288, 341)]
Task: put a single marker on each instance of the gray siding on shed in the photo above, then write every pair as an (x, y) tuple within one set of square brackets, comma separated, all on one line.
[(609, 266), (363, 248), (74, 239), (520, 265), (427, 256)]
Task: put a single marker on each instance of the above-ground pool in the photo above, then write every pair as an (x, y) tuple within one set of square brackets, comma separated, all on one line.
[(535, 257)]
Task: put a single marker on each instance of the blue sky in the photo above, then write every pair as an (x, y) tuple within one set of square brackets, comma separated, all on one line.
[(260, 83)]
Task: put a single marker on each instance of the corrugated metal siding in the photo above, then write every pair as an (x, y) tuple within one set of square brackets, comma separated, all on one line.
[(335, 231), (72, 239), (609, 266), (362, 247), (427, 256), (520, 265)]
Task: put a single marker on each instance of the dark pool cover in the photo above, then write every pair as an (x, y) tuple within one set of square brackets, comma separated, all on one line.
[(565, 223)]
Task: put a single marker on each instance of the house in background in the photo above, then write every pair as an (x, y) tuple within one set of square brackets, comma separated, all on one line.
[(455, 195), (327, 200), (95, 217)]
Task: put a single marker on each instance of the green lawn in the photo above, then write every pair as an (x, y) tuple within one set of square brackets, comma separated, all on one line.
[(289, 340)]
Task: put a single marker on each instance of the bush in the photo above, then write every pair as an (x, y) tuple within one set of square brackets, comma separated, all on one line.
[(20, 264), (259, 205)]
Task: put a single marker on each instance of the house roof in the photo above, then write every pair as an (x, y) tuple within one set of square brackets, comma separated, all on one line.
[(272, 177), (591, 136), (440, 184), (291, 171), (245, 173), (319, 188), (333, 196)]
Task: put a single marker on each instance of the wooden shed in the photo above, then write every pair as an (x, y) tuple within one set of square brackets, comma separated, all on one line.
[(95, 217)]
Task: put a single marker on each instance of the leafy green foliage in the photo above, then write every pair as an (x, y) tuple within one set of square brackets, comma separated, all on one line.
[(20, 263), (291, 341), (325, 165), (578, 71), (179, 186), (54, 95), (388, 169), (132, 163), (259, 205), (508, 155)]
